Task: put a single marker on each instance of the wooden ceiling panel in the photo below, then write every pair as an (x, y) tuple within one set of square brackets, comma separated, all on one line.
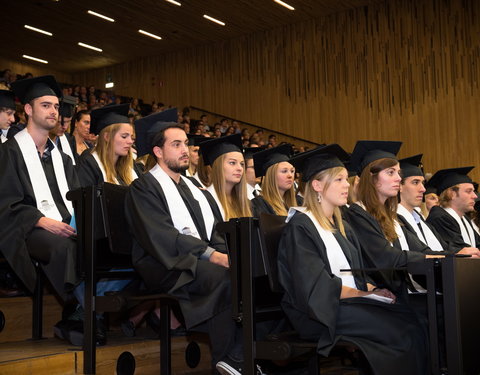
[(180, 27)]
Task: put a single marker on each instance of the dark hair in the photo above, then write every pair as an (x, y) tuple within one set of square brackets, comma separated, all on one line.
[(159, 138)]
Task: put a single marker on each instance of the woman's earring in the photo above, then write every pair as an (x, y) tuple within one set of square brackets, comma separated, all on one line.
[(319, 197)]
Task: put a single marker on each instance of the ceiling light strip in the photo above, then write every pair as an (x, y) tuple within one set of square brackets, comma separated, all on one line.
[(90, 47), (35, 59), (174, 2), (214, 20), (149, 34), (284, 4), (38, 30), (100, 15)]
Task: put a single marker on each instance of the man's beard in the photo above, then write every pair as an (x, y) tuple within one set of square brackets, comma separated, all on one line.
[(175, 166)]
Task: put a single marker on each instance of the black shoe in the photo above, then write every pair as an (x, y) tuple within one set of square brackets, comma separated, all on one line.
[(72, 331), (128, 328), (229, 367)]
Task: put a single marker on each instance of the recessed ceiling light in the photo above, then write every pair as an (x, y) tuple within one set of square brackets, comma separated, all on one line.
[(174, 2), (100, 15), (89, 46), (149, 34), (38, 30), (214, 20), (35, 59), (283, 4)]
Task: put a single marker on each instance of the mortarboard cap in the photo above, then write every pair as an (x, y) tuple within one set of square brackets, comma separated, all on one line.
[(266, 158), (311, 162), (411, 166), (7, 99), (366, 152), (216, 147), (446, 178), (248, 152), (31, 88), (110, 114), (147, 127), (67, 105), (196, 140)]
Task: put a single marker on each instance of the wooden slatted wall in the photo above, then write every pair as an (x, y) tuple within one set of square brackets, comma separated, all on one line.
[(399, 70)]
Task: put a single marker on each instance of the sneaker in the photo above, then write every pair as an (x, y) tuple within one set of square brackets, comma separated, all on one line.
[(229, 367)]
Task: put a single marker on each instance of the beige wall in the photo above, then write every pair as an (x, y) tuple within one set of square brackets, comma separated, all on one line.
[(402, 70)]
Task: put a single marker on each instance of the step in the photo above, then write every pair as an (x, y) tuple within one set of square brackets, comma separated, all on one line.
[(53, 356), (18, 317)]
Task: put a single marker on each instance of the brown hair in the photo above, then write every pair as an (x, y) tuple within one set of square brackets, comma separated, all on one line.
[(311, 200), (271, 194), (352, 189), (447, 195), (237, 205), (385, 214)]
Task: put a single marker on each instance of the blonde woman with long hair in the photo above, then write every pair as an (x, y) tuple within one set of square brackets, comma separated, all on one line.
[(278, 193), (323, 301), (228, 182), (111, 159)]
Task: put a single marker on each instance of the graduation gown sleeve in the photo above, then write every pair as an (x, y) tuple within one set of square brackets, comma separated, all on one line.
[(88, 171), (260, 205), (18, 209), (310, 288), (377, 252)]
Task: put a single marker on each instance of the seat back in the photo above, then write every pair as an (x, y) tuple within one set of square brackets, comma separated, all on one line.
[(271, 227), (113, 213)]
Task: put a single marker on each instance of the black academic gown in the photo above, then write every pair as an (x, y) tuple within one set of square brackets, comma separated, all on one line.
[(408, 227), (261, 206), (448, 229), (377, 252), (390, 336), (89, 173), (72, 143), (19, 214), (168, 260)]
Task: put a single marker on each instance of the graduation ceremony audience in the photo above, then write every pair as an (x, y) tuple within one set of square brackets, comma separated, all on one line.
[(355, 210)]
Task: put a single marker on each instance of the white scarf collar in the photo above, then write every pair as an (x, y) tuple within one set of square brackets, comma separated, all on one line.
[(43, 196), (181, 218), (104, 174), (66, 147), (465, 235), (212, 191), (3, 139), (428, 238), (336, 257)]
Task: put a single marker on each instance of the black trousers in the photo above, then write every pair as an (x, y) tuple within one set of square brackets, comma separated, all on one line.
[(57, 256), (206, 303)]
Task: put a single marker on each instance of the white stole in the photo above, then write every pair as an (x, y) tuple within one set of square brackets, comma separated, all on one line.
[(104, 174), (465, 235), (66, 147), (250, 190), (336, 257), (212, 191), (181, 218), (430, 238), (43, 196), (3, 139)]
